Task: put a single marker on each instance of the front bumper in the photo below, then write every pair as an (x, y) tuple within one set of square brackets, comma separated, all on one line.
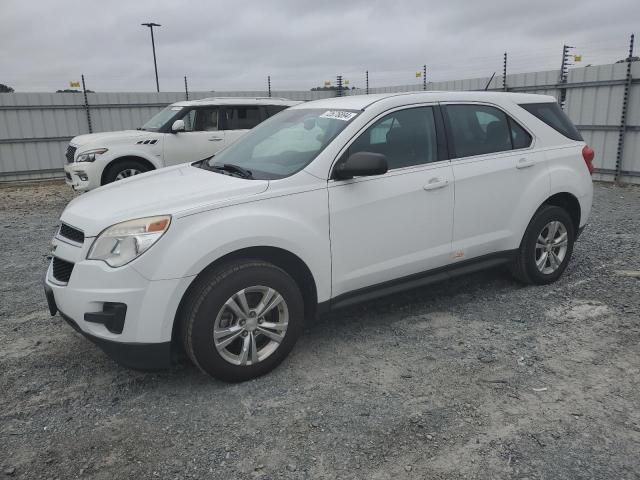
[(141, 336), (140, 356), (82, 176)]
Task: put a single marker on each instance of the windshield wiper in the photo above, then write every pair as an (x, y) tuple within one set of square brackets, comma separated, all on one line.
[(234, 169)]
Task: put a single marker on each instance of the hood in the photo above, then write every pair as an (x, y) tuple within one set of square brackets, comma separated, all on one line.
[(166, 191), (110, 137)]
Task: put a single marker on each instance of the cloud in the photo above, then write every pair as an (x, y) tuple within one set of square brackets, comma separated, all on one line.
[(231, 45)]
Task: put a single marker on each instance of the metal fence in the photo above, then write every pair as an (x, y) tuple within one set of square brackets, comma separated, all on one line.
[(603, 101)]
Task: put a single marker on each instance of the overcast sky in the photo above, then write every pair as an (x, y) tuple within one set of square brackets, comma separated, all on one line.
[(231, 45)]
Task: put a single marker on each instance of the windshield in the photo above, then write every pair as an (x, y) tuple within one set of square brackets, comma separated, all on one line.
[(160, 119), (285, 143)]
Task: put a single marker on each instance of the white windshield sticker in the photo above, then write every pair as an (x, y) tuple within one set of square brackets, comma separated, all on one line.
[(176, 108), (338, 115)]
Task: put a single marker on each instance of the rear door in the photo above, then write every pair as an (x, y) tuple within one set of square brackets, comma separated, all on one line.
[(494, 166), (200, 139), (238, 120)]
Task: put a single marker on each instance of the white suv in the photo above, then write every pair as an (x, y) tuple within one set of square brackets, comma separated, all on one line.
[(326, 204), (182, 132)]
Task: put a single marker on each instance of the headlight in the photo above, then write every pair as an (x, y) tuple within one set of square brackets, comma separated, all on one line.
[(90, 155), (122, 242)]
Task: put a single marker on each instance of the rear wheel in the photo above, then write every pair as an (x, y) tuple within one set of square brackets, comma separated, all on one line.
[(124, 169), (241, 320), (546, 247)]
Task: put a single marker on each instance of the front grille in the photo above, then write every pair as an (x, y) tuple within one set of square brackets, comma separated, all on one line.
[(62, 269), (71, 153), (71, 233)]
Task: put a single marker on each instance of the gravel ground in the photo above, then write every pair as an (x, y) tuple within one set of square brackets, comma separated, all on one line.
[(478, 377)]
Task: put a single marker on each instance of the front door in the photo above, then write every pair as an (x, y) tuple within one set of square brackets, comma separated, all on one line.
[(200, 139), (390, 226)]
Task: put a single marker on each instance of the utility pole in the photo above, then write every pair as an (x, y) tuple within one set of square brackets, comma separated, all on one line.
[(186, 87), (269, 85), (153, 46), (367, 80), (339, 85)]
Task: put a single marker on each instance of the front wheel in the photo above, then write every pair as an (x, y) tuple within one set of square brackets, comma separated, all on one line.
[(124, 169), (546, 247), (241, 320)]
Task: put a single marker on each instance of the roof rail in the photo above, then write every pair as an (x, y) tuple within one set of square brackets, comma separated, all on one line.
[(243, 98)]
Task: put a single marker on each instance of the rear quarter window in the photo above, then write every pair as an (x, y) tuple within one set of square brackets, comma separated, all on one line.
[(551, 114)]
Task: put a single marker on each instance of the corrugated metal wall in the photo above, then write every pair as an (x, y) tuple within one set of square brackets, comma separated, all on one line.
[(36, 127), (597, 111)]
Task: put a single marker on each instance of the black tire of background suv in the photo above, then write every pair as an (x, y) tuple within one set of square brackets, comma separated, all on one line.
[(207, 296), (116, 167), (524, 266)]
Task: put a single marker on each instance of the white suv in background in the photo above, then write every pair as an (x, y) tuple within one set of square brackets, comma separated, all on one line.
[(182, 132), (326, 204)]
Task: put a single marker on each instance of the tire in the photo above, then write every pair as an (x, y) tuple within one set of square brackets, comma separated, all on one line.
[(537, 242), (206, 315), (124, 168)]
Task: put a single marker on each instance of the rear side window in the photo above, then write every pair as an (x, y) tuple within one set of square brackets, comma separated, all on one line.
[(520, 138), (242, 118), (551, 114), (481, 129)]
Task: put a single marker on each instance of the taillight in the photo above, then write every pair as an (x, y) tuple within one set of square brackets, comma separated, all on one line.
[(588, 154)]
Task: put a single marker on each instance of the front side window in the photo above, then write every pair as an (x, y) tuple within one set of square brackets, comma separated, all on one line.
[(200, 120), (405, 138), (206, 120), (242, 118), (285, 143), (481, 129), (189, 119)]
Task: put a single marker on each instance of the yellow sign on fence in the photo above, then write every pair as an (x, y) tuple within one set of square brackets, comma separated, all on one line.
[(418, 74), (73, 84)]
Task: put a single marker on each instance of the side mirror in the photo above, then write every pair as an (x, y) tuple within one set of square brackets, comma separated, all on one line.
[(361, 164), (178, 126)]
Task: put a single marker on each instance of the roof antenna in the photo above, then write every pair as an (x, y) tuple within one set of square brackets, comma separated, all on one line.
[(489, 82)]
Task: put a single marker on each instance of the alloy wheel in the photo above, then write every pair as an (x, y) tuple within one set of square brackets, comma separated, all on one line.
[(251, 325), (551, 247), (129, 172)]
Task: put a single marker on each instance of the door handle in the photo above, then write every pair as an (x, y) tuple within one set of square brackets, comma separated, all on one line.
[(436, 183), (525, 163), (215, 139)]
